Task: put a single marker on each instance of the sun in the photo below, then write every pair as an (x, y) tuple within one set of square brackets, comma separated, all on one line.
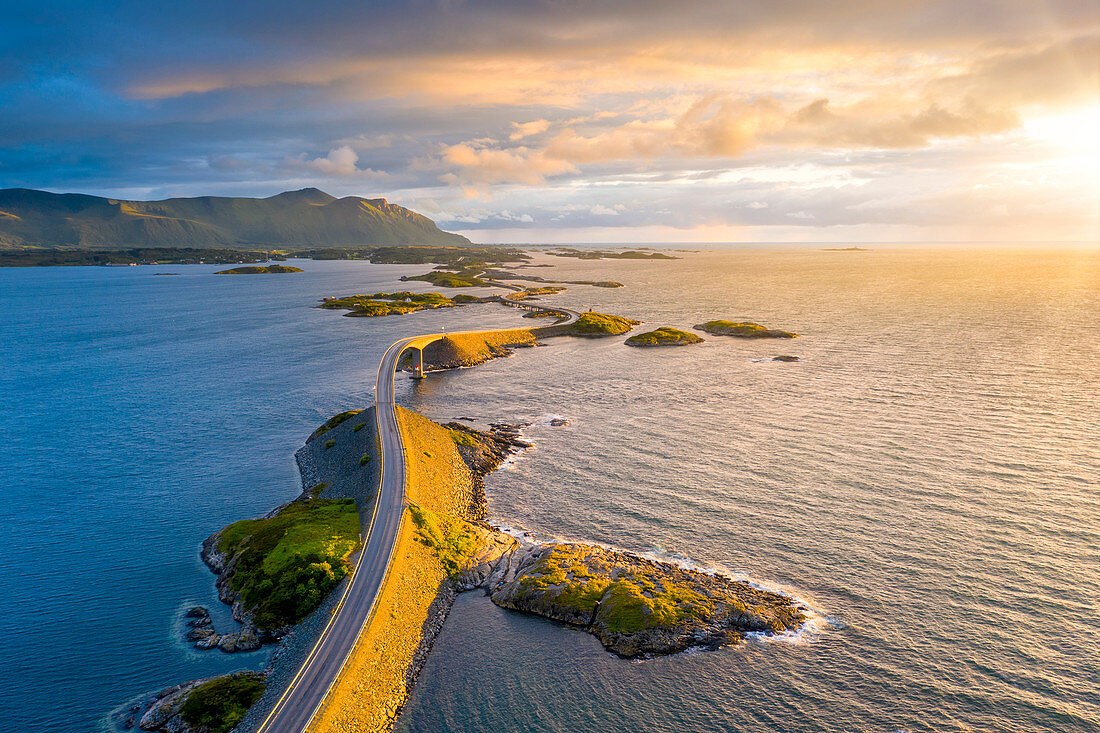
[(1072, 137)]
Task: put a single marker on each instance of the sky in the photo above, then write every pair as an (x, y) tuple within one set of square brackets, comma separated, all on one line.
[(570, 121)]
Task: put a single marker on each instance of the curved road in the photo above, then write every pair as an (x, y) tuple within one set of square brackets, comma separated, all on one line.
[(295, 710)]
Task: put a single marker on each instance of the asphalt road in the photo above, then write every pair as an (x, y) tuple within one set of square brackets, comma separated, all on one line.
[(295, 710)]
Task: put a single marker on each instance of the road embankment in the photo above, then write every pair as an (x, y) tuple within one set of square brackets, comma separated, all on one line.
[(443, 487)]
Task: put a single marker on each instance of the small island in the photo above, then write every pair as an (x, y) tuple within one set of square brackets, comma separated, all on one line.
[(259, 270), (386, 304), (742, 329), (446, 279), (664, 336), (597, 254)]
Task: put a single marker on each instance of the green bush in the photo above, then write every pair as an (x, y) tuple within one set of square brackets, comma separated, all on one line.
[(358, 426), (364, 460), (329, 444), (219, 705)]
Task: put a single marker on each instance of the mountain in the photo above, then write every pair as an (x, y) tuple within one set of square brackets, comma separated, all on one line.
[(306, 218)]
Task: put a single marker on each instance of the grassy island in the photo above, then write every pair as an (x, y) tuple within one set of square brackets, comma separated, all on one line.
[(742, 329), (664, 336), (281, 567), (219, 705), (259, 270), (450, 279), (387, 304)]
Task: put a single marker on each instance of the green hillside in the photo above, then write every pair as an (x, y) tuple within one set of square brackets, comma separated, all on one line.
[(306, 218)]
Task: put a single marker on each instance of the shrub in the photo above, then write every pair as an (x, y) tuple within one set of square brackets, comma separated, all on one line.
[(329, 444), (358, 426), (364, 460), (219, 705)]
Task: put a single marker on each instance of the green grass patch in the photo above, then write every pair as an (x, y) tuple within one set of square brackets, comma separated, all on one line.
[(357, 427), (329, 444), (286, 564), (219, 705), (461, 437), (365, 459), (332, 422), (452, 540)]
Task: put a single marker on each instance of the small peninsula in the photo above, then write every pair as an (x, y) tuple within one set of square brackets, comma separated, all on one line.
[(742, 329), (664, 336), (592, 325), (275, 570), (259, 270)]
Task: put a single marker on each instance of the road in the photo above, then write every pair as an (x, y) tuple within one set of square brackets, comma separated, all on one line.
[(295, 710)]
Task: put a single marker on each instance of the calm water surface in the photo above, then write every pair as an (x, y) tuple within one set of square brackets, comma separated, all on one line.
[(926, 478)]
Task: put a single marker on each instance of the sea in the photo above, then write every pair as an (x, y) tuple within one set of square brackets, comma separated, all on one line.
[(925, 479)]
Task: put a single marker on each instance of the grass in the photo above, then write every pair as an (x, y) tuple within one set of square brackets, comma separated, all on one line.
[(451, 539), (329, 444), (365, 459), (287, 563), (332, 422), (464, 438), (219, 705), (357, 427), (664, 336)]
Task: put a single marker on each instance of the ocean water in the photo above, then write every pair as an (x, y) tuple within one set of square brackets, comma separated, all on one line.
[(927, 479)]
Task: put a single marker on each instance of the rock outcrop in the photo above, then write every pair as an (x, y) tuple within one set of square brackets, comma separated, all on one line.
[(637, 607)]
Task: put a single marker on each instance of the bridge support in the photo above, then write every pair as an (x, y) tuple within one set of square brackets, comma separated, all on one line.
[(418, 363)]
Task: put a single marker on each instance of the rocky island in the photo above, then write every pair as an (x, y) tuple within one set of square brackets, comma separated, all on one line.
[(742, 329), (259, 270), (664, 336)]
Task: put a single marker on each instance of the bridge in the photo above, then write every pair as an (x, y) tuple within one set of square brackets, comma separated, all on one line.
[(296, 710)]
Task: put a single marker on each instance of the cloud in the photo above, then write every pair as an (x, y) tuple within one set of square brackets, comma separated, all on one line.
[(474, 168), (527, 129), (340, 162)]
